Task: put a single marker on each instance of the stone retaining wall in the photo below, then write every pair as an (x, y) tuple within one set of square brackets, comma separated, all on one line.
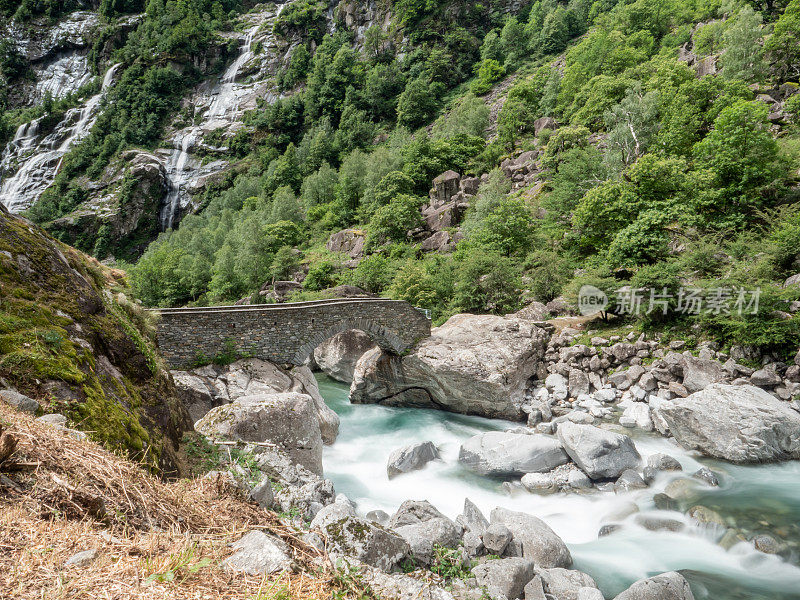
[(285, 333)]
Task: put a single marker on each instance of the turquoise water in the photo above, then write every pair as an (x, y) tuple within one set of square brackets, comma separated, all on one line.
[(758, 499)]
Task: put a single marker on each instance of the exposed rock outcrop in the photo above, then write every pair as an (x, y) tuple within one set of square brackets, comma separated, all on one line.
[(210, 386), (473, 364)]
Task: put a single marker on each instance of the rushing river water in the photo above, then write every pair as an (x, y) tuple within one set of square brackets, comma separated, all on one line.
[(756, 499)]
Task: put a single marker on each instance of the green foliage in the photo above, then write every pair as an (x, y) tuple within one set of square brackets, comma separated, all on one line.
[(447, 563), (418, 103), (489, 71), (469, 117), (321, 275), (392, 222), (744, 54), (487, 282), (738, 159), (306, 17), (783, 46)]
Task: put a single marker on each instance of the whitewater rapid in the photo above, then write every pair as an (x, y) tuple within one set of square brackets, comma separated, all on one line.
[(356, 464)]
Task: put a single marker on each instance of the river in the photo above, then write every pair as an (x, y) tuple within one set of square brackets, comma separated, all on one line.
[(758, 499)]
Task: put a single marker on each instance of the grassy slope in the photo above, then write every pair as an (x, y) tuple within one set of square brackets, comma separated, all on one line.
[(157, 540)]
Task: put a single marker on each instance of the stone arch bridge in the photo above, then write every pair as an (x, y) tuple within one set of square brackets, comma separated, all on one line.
[(285, 333)]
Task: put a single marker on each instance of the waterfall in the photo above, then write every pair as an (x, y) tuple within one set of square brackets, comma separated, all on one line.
[(178, 176), (224, 104), (39, 169)]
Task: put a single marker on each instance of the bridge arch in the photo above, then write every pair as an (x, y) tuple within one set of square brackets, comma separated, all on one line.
[(385, 338), (285, 333)]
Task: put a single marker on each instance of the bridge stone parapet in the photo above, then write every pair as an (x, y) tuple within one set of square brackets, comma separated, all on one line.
[(285, 333)]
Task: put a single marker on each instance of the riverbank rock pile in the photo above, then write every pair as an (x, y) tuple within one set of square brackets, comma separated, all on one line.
[(702, 400)]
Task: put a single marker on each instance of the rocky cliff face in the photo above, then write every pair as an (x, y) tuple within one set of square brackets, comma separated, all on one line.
[(71, 341)]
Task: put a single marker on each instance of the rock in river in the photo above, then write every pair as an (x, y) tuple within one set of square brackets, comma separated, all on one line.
[(502, 454), (473, 364), (739, 423), (600, 454), (539, 543), (667, 586), (411, 458)]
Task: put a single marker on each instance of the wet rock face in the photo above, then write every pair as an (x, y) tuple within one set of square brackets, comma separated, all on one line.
[(473, 364), (58, 56), (125, 204)]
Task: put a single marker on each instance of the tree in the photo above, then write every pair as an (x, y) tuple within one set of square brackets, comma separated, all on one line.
[(744, 55), (632, 124), (740, 158), (285, 206), (393, 221), (555, 32), (487, 282), (603, 211), (417, 104), (783, 46), (514, 41), (492, 47), (489, 71), (507, 229), (320, 187)]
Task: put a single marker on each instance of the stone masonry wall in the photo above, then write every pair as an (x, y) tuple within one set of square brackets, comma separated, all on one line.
[(286, 333)]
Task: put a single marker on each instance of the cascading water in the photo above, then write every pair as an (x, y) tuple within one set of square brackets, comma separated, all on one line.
[(41, 159), (766, 496), (224, 110)]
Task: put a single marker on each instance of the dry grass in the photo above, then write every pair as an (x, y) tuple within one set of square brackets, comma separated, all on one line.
[(60, 496)]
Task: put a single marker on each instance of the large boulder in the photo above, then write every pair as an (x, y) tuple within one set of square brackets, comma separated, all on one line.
[(411, 458), (667, 586), (739, 423), (539, 543), (210, 386), (504, 454), (504, 579), (338, 356), (599, 453), (473, 364), (288, 420), (303, 381), (564, 584), (196, 394), (19, 401), (365, 541), (445, 186)]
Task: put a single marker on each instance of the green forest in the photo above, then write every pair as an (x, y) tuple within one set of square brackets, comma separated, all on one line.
[(654, 178)]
